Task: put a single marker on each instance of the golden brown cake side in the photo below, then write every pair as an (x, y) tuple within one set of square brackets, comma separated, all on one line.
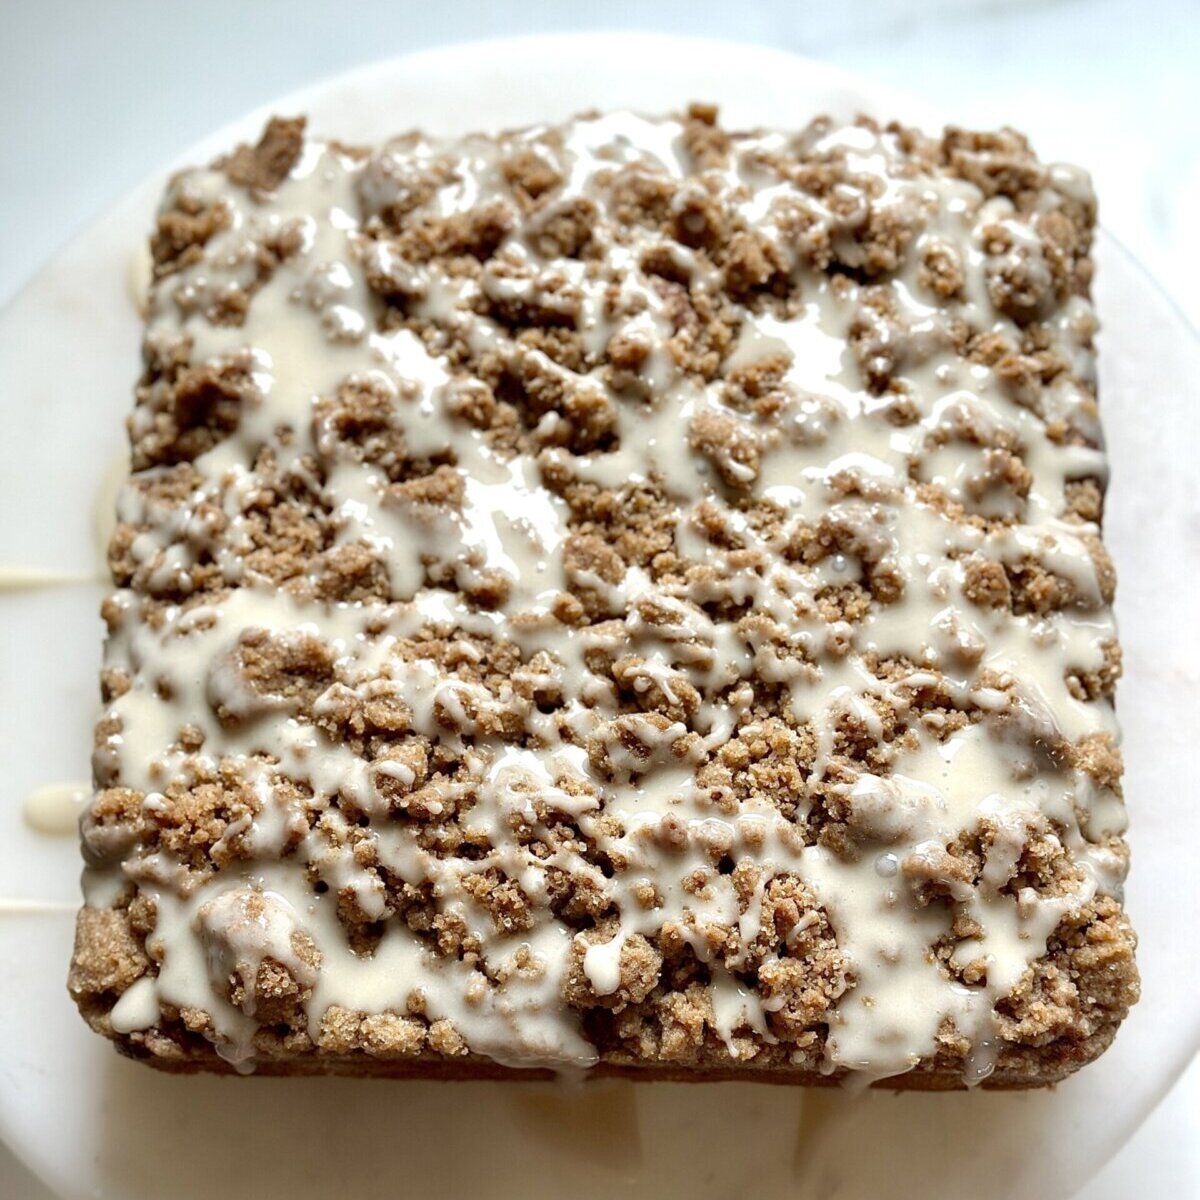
[(622, 597)]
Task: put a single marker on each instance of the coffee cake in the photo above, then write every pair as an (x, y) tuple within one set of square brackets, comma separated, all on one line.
[(622, 597)]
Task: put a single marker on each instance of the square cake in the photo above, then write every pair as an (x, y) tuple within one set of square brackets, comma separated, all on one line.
[(623, 597)]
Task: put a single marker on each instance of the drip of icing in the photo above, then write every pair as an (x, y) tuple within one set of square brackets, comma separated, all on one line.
[(137, 1008), (36, 908), (33, 579), (139, 277), (55, 810)]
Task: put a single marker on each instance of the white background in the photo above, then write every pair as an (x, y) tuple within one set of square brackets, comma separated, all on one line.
[(96, 94)]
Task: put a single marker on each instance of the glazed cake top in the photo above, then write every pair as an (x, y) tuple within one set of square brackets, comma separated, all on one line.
[(606, 579)]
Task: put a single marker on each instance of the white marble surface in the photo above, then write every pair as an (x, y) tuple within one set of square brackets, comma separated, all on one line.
[(98, 95)]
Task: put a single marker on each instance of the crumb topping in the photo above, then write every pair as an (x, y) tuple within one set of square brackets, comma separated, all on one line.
[(622, 592)]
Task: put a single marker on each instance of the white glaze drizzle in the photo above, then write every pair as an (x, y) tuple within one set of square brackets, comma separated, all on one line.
[(55, 809)]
